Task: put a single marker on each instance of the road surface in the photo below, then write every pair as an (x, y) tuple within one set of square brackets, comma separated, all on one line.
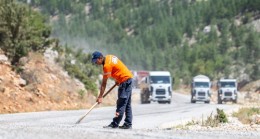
[(150, 121)]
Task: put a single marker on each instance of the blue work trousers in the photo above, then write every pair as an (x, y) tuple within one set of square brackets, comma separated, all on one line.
[(124, 103)]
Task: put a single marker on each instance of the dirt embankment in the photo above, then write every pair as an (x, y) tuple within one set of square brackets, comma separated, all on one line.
[(42, 86)]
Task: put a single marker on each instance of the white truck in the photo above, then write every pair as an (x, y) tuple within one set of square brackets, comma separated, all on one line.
[(227, 90), (157, 86), (200, 89)]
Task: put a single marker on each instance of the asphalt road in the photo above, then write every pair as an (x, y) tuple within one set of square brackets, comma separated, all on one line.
[(150, 121)]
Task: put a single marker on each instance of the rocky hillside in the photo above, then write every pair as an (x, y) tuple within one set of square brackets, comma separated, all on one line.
[(42, 86)]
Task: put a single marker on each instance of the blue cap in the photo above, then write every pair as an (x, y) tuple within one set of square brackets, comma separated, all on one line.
[(95, 56)]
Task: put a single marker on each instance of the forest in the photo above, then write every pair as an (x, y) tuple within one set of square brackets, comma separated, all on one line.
[(186, 37)]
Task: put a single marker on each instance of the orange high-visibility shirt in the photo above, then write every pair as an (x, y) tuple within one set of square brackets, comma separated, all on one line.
[(115, 68)]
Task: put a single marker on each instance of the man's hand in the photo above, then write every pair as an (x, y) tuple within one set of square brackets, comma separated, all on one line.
[(99, 100), (117, 83)]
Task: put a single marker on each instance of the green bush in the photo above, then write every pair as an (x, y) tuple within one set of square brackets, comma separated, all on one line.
[(221, 116), (21, 30)]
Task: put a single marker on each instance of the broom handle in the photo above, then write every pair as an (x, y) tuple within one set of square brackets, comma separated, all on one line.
[(95, 104), (109, 90)]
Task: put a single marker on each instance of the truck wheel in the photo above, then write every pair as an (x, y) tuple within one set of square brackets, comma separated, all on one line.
[(141, 96), (207, 102), (143, 100), (169, 102), (192, 101)]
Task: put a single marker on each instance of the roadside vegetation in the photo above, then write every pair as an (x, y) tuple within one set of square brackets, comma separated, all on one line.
[(245, 115), (210, 121)]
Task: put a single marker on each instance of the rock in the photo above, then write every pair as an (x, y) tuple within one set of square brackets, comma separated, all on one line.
[(51, 55), (3, 58), (256, 119), (2, 89), (206, 29), (39, 93), (22, 82)]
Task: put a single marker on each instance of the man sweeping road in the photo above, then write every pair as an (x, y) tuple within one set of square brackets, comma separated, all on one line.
[(115, 68)]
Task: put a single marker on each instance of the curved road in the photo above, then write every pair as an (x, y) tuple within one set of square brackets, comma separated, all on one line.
[(150, 121)]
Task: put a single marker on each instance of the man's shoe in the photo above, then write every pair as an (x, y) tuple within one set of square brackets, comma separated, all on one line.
[(110, 126), (125, 126)]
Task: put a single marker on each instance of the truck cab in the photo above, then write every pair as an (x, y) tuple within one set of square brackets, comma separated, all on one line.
[(227, 90), (200, 89), (157, 87)]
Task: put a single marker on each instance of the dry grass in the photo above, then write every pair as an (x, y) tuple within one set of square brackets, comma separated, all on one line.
[(244, 115)]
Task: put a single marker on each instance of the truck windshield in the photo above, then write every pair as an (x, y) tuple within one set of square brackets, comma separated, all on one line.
[(227, 84), (160, 79), (202, 84)]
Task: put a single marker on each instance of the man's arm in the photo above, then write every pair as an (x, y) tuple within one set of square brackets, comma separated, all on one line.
[(102, 90)]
